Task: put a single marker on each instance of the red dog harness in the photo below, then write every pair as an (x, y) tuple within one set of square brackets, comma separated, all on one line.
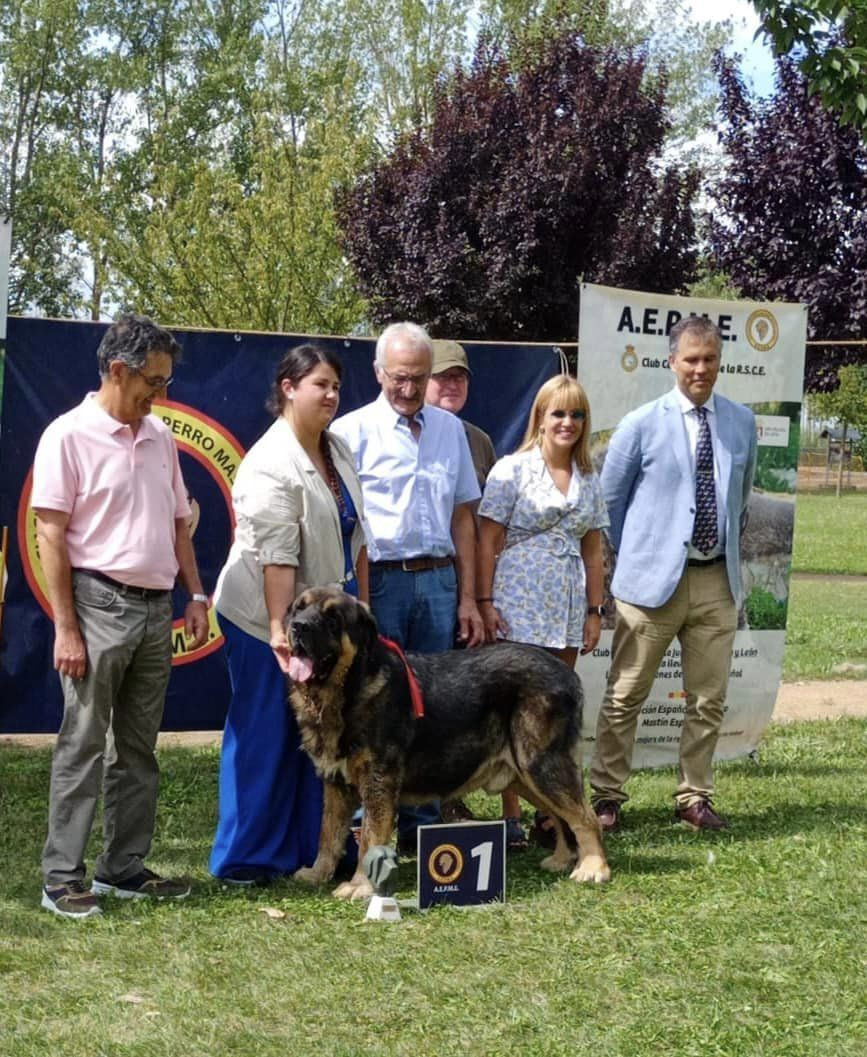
[(414, 688)]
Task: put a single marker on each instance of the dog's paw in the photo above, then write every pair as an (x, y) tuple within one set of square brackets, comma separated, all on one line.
[(310, 875), (354, 890), (556, 863), (592, 869)]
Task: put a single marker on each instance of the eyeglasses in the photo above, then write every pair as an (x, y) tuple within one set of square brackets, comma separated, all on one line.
[(575, 414), (402, 380), (155, 382)]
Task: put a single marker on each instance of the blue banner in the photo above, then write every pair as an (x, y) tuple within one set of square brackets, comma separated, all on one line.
[(216, 411)]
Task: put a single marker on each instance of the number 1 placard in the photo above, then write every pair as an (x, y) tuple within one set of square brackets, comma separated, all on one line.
[(463, 865)]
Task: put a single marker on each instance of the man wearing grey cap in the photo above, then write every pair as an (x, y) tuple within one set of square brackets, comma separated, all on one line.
[(448, 388)]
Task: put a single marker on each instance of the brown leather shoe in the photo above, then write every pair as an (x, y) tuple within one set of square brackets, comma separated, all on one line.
[(608, 813), (700, 815)]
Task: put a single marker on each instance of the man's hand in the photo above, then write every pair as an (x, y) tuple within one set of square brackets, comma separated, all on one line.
[(70, 655), (196, 624), (472, 628)]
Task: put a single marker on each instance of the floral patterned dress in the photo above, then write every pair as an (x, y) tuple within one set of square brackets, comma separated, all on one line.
[(539, 583)]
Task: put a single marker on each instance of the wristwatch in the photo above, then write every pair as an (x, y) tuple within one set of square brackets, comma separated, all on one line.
[(199, 598), (596, 611)]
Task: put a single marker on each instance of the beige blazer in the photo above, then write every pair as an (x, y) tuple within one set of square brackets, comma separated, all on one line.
[(285, 514)]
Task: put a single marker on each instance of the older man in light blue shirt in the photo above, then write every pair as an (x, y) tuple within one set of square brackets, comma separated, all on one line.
[(419, 487)]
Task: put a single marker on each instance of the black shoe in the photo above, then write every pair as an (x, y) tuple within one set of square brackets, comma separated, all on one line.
[(143, 885), (247, 877)]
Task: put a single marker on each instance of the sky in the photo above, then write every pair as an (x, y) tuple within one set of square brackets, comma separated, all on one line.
[(758, 65)]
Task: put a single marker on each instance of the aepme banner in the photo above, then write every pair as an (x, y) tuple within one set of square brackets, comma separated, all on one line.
[(623, 363)]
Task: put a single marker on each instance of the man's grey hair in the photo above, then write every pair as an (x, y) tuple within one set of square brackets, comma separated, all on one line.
[(412, 332), (131, 339), (699, 326)]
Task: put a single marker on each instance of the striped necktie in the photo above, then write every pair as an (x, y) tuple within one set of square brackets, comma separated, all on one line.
[(704, 533)]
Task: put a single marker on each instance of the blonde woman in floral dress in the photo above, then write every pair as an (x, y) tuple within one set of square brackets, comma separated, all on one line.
[(540, 545)]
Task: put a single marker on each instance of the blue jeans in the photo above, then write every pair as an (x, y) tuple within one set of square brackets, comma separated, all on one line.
[(419, 611)]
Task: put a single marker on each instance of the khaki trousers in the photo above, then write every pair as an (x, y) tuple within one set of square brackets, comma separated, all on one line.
[(107, 738), (702, 615)]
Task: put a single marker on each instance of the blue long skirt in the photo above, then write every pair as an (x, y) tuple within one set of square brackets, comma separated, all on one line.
[(270, 804)]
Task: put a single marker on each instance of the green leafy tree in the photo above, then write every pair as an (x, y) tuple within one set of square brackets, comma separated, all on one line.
[(405, 47), (40, 54), (182, 157), (227, 217), (828, 38), (677, 48), (257, 252)]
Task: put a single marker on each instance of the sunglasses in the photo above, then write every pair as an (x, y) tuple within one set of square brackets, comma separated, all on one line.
[(574, 414), (152, 381), (156, 382)]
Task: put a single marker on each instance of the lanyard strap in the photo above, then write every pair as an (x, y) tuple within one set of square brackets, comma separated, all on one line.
[(414, 688)]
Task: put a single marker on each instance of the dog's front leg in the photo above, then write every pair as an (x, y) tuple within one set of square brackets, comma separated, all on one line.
[(339, 801), (379, 800)]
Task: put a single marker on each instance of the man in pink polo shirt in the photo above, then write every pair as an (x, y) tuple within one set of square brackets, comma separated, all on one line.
[(112, 521)]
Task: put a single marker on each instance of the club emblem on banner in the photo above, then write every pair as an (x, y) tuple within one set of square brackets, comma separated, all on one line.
[(763, 331), (212, 447), (629, 359)]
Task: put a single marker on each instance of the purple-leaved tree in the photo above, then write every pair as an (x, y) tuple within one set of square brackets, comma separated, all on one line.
[(791, 221), (537, 171)]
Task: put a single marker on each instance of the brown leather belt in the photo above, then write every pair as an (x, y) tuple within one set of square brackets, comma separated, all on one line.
[(415, 565), (698, 563), (124, 589)]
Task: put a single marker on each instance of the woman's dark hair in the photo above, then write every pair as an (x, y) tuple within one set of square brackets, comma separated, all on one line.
[(296, 364)]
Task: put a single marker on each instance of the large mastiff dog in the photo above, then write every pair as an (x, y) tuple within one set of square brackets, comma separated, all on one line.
[(498, 717)]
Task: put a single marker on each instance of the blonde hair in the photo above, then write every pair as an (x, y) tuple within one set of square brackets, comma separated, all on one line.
[(560, 392)]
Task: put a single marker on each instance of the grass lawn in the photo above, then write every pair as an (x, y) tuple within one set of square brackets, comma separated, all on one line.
[(827, 628), (827, 622), (830, 534), (749, 942)]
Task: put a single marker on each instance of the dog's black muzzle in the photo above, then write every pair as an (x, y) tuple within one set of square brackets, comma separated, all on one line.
[(310, 636)]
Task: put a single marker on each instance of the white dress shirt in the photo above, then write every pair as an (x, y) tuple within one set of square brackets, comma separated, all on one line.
[(410, 487)]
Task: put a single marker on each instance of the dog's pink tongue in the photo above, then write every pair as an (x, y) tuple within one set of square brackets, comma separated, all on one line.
[(300, 668)]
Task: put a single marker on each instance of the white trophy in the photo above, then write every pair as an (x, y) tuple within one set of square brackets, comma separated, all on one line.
[(380, 866)]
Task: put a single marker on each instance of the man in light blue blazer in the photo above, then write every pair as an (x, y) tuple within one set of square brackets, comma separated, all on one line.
[(676, 479)]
